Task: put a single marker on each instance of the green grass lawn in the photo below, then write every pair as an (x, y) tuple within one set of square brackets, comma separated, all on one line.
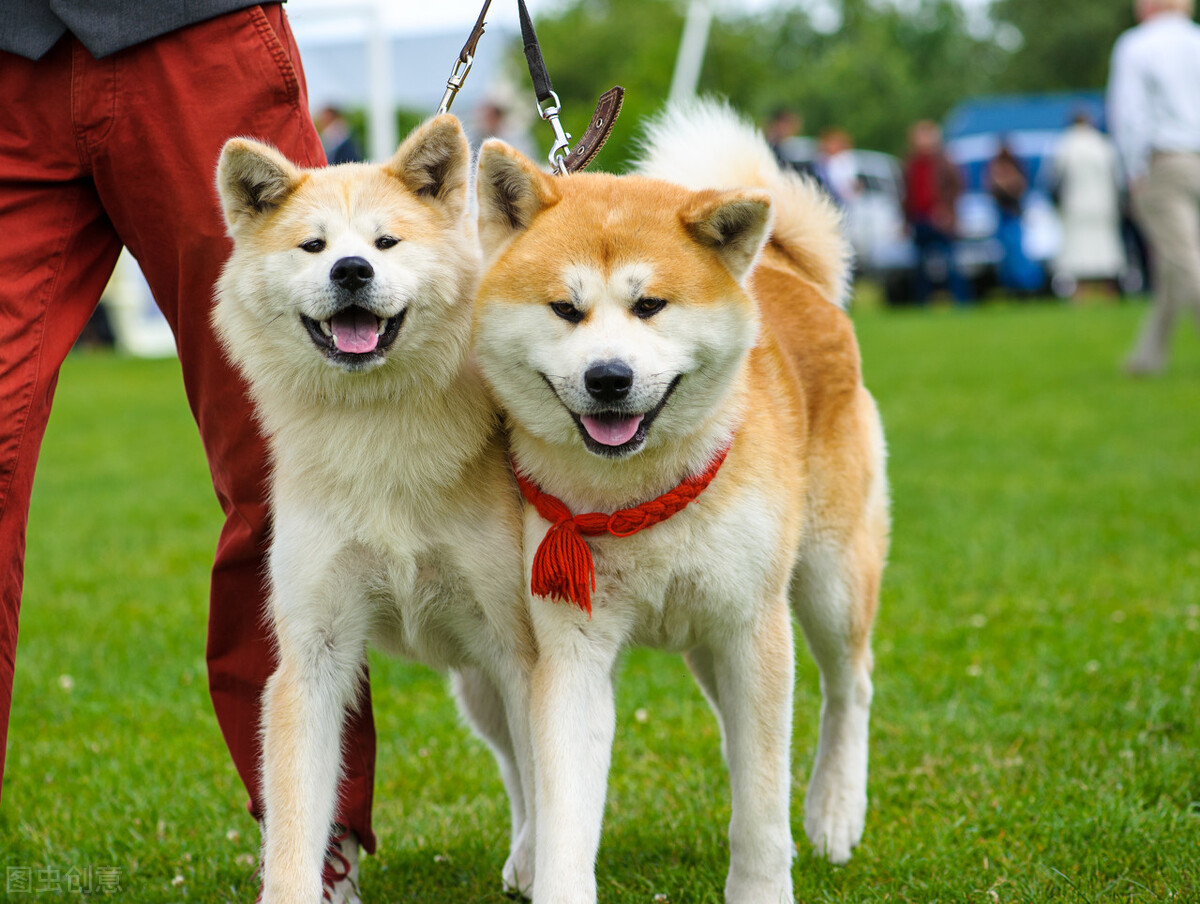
[(1037, 682)]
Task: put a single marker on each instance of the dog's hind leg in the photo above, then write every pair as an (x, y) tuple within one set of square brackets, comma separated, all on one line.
[(322, 650), (700, 661), (836, 589), (835, 595), (485, 709)]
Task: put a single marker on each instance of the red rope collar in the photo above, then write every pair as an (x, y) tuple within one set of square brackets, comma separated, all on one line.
[(563, 566)]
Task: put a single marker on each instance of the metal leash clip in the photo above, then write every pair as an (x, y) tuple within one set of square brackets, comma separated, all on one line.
[(455, 82), (463, 64), (561, 148)]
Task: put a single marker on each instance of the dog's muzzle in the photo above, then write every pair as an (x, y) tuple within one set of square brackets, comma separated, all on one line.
[(354, 336)]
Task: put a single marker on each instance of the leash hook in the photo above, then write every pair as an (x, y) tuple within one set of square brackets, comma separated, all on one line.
[(455, 82), (559, 151), (462, 65)]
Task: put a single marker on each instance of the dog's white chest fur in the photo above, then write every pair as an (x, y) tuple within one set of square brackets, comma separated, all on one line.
[(418, 558), (672, 585), (422, 609)]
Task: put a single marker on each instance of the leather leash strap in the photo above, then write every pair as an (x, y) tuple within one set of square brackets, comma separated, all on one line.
[(599, 127), (598, 130)]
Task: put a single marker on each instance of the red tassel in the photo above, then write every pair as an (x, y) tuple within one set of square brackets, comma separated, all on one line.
[(563, 567)]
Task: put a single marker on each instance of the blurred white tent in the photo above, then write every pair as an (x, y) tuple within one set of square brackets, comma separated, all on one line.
[(138, 326), (384, 57), (692, 47)]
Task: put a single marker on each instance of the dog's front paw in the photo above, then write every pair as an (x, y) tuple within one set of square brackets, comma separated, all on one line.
[(834, 819), (758, 891)]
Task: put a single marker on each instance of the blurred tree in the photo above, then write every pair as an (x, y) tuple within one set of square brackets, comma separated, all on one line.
[(1064, 45), (884, 67)]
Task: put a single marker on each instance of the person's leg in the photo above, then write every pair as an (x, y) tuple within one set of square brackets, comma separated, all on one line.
[(922, 284), (1190, 184), (57, 253), (178, 98), (1168, 211), (956, 282), (1008, 233)]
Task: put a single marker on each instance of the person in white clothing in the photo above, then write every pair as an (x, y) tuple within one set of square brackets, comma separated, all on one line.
[(1087, 189), (1154, 114)]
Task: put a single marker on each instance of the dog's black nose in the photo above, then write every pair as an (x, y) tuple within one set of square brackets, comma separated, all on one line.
[(352, 273), (608, 381)]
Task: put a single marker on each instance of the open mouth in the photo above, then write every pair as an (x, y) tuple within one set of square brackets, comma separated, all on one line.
[(354, 335), (616, 433)]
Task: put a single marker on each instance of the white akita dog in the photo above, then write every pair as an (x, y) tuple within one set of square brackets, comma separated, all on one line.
[(682, 388), (347, 306)]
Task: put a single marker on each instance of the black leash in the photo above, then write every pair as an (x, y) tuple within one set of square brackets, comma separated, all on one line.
[(533, 56), (563, 160)]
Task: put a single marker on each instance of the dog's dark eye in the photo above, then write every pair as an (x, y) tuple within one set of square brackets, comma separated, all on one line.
[(566, 311), (648, 307), (313, 246), (384, 242)]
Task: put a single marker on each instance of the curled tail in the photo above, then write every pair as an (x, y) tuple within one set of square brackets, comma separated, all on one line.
[(705, 144)]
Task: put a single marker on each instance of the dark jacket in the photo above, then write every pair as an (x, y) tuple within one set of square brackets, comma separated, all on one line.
[(29, 28)]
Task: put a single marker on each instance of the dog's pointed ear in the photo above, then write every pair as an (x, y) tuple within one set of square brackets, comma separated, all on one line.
[(735, 224), (512, 191), (434, 164), (252, 180)]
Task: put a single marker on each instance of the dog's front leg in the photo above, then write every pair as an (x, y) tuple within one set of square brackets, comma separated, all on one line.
[(752, 669), (573, 721), (322, 649)]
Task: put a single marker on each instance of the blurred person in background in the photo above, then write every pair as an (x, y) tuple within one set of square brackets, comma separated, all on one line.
[(1005, 181), (784, 124), (1087, 180), (932, 185), (112, 117), (337, 138), (496, 117), (784, 133), (835, 165), (1154, 114)]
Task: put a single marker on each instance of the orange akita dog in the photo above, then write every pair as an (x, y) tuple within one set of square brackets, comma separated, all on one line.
[(683, 390)]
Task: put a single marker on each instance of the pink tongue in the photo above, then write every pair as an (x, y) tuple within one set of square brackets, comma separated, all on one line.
[(611, 431), (354, 331)]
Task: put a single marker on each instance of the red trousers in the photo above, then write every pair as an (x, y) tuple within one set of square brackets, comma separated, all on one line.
[(96, 154)]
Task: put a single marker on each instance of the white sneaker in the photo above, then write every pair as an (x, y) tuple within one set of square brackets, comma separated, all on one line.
[(340, 876)]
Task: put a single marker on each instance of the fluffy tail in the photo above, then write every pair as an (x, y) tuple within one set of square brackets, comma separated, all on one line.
[(705, 144)]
